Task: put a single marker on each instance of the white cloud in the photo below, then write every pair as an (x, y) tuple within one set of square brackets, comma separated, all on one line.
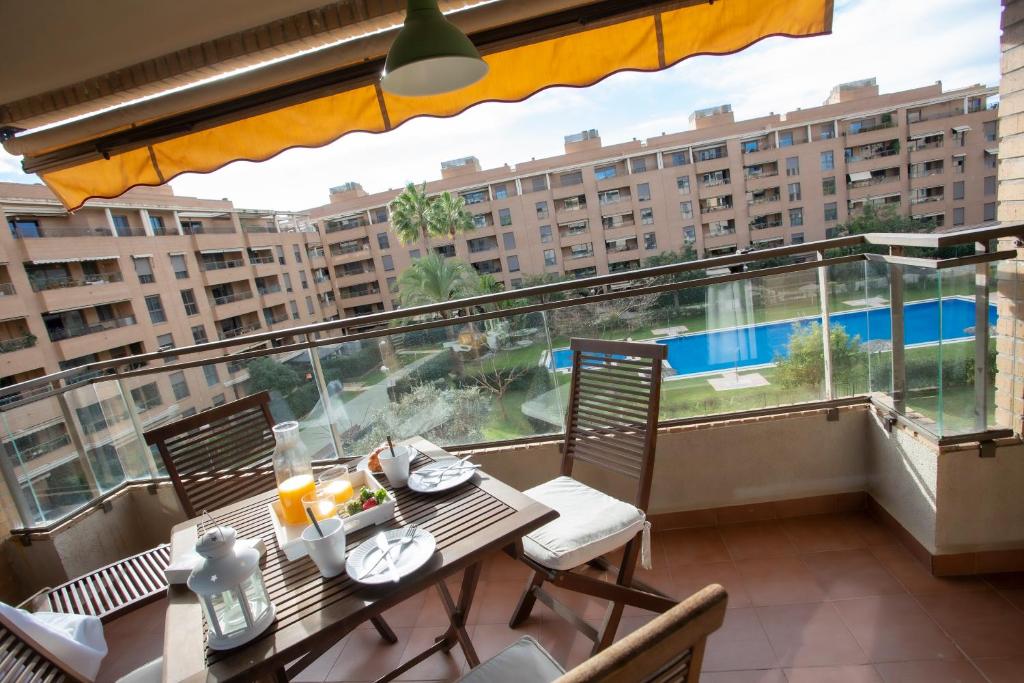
[(904, 43)]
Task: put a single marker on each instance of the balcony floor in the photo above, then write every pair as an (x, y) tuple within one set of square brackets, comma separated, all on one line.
[(830, 598)]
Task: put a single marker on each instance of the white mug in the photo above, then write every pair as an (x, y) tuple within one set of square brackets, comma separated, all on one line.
[(328, 551), (396, 468)]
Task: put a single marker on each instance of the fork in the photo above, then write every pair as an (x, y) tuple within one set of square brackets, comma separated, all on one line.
[(407, 535)]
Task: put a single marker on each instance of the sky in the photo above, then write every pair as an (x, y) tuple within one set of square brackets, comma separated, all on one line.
[(903, 43)]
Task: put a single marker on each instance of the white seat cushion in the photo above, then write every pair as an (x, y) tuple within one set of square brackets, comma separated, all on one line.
[(524, 661), (589, 524)]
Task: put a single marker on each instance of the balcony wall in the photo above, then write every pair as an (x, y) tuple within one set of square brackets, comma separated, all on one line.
[(85, 296)]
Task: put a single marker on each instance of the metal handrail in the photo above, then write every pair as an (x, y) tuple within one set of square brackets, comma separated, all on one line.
[(586, 285)]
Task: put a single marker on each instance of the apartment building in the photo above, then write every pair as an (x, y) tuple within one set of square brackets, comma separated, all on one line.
[(144, 272), (723, 186)]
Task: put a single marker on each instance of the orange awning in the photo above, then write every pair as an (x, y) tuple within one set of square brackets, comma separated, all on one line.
[(588, 54)]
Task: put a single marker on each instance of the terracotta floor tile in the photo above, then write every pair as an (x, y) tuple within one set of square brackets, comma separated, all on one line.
[(501, 567), (809, 635), (406, 613), (693, 546), (929, 672), (762, 676), (779, 581), (895, 628), (588, 607), (689, 579), (494, 601), (851, 574), (1003, 670), (756, 540), (439, 667), (319, 670), (871, 530), (432, 612), (822, 532), (740, 643), (864, 673), (1016, 598), (366, 656), (950, 608), (983, 624), (1007, 581), (916, 578)]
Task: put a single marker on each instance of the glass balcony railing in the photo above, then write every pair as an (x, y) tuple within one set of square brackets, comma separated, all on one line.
[(230, 298), (913, 335), (221, 265), (41, 284), (72, 331)]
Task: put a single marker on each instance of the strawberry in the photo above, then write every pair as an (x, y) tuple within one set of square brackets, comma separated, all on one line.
[(370, 503)]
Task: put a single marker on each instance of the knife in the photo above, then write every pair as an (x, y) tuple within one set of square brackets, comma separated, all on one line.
[(382, 543)]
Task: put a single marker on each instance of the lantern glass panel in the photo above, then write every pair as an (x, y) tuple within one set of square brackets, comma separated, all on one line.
[(228, 612), (256, 595)]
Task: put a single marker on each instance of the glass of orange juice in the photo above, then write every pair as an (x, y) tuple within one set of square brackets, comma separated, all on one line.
[(334, 482), (321, 504)]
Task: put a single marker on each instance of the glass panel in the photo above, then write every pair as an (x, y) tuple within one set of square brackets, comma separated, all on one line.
[(923, 328), (256, 595), (114, 449), (861, 332), (228, 612)]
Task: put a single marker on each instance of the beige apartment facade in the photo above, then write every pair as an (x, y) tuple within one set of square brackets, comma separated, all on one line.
[(723, 186), (144, 272)]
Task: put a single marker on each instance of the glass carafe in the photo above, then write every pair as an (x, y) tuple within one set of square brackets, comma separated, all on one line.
[(293, 469)]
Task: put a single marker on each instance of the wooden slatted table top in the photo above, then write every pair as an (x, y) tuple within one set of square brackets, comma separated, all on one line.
[(468, 522)]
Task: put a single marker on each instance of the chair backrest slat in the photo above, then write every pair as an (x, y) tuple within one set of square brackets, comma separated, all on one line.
[(25, 661), (219, 456), (614, 398), (669, 649)]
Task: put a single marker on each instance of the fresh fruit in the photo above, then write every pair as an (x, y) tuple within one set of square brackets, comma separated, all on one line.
[(370, 503), (354, 507), (381, 495), (365, 494)]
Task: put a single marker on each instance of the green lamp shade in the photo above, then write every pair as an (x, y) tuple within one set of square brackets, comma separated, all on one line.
[(430, 56)]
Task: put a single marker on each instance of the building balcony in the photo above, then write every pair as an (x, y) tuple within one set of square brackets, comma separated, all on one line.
[(240, 331), (232, 298), (367, 298), (72, 331), (85, 293), (877, 133), (349, 254)]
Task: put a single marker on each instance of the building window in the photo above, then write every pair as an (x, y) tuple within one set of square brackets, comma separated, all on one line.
[(686, 209), (542, 209), (505, 216), (309, 306), (294, 308), (387, 262), (192, 227), (646, 216), (828, 186), (683, 184), (165, 342), (218, 400), (199, 334), (121, 225), (958, 189), (188, 299), (796, 217), (513, 263), (605, 172), (549, 257), (156, 309), (298, 253), (990, 211), (545, 234), (792, 165), (210, 372), (959, 164), (414, 254), (650, 240), (280, 254), (643, 192), (828, 160), (797, 238), (638, 165), (509, 238), (786, 139), (500, 192), (990, 184), (146, 397), (540, 183), (143, 269), (382, 240), (287, 282), (794, 192), (958, 215), (180, 266), (303, 280), (517, 283), (689, 234), (179, 385), (831, 212)]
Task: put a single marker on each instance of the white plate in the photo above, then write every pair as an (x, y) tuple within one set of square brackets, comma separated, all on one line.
[(420, 481), (413, 555)]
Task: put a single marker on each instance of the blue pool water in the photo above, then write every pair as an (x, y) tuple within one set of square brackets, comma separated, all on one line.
[(759, 344)]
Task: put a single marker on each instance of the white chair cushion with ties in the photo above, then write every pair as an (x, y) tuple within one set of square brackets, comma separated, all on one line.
[(589, 524), (524, 661)]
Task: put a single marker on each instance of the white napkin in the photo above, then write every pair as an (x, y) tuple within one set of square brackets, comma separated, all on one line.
[(74, 640)]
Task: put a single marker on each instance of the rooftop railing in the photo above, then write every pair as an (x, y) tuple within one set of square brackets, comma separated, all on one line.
[(903, 321)]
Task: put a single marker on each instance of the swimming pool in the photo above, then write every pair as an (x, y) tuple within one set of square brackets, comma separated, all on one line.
[(753, 345)]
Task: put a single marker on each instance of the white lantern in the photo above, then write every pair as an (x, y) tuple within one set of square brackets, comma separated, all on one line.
[(230, 587)]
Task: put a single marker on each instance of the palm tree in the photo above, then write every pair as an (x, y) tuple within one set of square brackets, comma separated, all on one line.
[(448, 216), (433, 279), (410, 214)]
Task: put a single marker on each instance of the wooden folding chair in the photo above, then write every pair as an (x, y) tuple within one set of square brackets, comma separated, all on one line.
[(222, 456), (669, 649), (23, 659), (612, 424)]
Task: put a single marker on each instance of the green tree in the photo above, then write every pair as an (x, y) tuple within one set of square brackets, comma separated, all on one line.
[(434, 279), (447, 216), (410, 214), (679, 296), (266, 374), (805, 364), (872, 219)]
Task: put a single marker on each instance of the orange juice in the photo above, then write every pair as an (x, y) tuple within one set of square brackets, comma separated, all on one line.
[(339, 489), (291, 491)]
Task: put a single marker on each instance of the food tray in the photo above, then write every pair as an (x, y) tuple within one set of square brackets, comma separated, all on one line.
[(289, 536)]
